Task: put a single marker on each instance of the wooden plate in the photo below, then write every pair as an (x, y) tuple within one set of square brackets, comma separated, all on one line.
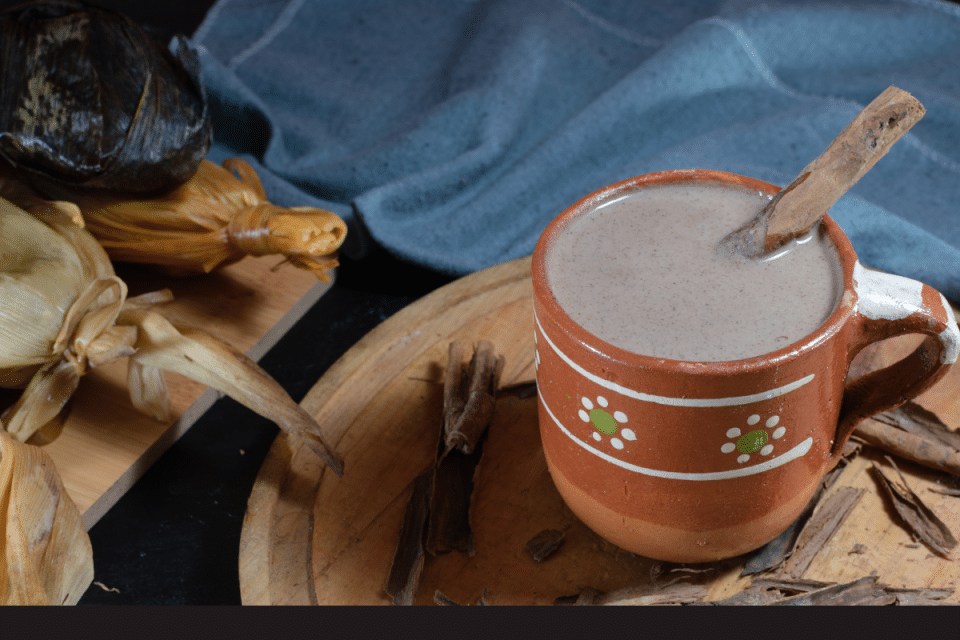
[(310, 538)]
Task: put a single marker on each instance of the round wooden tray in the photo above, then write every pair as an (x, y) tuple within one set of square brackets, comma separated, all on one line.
[(311, 538)]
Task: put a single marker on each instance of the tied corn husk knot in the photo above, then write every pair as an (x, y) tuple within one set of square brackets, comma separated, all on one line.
[(61, 303), (68, 311), (87, 338), (304, 235), (216, 218), (45, 553)]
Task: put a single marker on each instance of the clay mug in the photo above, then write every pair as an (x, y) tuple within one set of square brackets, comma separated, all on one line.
[(661, 457)]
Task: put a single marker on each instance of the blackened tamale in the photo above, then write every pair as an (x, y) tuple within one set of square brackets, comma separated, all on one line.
[(89, 100)]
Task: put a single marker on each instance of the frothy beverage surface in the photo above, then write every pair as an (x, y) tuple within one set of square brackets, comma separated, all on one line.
[(643, 273)]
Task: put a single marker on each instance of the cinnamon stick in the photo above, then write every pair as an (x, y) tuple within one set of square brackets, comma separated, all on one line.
[(801, 204), (470, 394), (469, 397), (449, 526), (909, 446), (921, 422)]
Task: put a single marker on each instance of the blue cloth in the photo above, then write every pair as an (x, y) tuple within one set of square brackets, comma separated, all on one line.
[(451, 132)]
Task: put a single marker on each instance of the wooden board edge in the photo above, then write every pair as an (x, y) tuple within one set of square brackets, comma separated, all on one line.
[(189, 417)]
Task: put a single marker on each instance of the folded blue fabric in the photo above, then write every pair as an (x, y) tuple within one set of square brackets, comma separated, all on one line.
[(452, 132)]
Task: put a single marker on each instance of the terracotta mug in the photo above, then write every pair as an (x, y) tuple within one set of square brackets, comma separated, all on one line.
[(673, 486)]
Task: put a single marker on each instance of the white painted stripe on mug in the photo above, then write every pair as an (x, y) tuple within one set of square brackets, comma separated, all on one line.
[(675, 402), (949, 337), (798, 451)]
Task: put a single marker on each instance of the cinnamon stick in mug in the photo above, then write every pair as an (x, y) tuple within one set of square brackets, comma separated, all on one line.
[(799, 206)]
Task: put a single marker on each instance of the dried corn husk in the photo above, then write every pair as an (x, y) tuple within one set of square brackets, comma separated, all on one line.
[(64, 311), (45, 553), (217, 217)]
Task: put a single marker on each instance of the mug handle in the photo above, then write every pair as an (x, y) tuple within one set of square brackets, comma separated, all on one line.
[(888, 306)]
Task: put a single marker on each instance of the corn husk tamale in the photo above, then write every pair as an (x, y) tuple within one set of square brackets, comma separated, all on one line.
[(217, 217), (45, 553), (64, 310)]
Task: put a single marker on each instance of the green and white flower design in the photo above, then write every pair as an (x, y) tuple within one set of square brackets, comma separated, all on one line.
[(754, 441), (606, 423)]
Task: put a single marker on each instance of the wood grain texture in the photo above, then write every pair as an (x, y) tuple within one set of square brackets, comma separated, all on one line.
[(310, 538), (106, 445)]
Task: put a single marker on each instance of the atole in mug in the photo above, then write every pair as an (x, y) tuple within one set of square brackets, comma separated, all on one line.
[(693, 461)]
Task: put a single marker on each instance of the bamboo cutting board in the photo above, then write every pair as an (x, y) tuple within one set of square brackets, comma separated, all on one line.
[(106, 445), (310, 538)]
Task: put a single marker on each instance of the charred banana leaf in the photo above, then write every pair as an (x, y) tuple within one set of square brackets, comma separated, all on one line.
[(89, 100)]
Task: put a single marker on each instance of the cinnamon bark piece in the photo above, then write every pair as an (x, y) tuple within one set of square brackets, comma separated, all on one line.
[(654, 594), (409, 557), (774, 553), (947, 492), (449, 523), (469, 394), (819, 529), (920, 597), (440, 599), (790, 586), (542, 545), (469, 398), (913, 418), (864, 591), (750, 597), (444, 601), (909, 446), (801, 204), (914, 433), (454, 384), (587, 597), (917, 516)]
